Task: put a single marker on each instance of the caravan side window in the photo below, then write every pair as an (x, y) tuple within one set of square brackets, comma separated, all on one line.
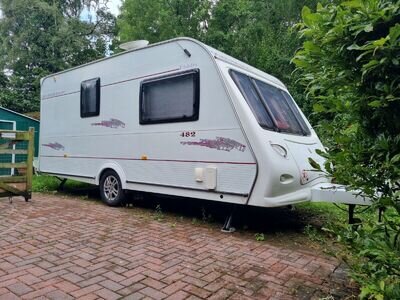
[(90, 98), (173, 98)]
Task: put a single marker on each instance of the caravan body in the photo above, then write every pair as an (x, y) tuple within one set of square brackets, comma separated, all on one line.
[(179, 118)]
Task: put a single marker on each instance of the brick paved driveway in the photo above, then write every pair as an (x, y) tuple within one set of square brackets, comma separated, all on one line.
[(64, 247)]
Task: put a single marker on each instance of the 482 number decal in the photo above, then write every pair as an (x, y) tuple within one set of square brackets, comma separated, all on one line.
[(188, 134)]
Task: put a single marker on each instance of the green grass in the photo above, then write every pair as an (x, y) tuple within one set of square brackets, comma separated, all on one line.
[(45, 183), (323, 211), (324, 221), (328, 213)]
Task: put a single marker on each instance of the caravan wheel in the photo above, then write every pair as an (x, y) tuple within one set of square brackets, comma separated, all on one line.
[(111, 189)]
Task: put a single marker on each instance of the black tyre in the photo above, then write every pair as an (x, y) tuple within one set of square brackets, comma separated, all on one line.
[(111, 190)]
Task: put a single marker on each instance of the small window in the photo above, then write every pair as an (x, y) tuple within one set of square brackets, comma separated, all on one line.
[(170, 99), (90, 98)]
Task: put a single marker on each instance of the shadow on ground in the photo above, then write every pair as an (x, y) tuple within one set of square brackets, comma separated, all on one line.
[(279, 221)]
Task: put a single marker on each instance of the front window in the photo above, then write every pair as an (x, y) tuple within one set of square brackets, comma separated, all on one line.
[(273, 108)]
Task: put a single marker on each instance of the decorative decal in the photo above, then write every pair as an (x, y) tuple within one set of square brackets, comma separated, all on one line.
[(54, 146), (112, 123), (220, 143)]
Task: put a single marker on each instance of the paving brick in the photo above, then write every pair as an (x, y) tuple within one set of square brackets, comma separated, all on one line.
[(180, 295), (174, 287), (153, 283), (195, 281), (19, 288), (114, 276), (37, 271), (89, 289), (131, 289), (222, 294), (38, 293), (134, 296), (29, 279), (92, 280), (193, 297), (82, 249), (132, 280), (66, 286), (12, 275), (89, 296), (58, 295), (74, 278), (3, 291), (107, 294), (152, 293), (111, 285), (202, 293), (215, 286), (9, 296), (211, 276)]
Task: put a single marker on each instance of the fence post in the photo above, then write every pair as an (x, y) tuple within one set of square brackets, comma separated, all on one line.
[(29, 170)]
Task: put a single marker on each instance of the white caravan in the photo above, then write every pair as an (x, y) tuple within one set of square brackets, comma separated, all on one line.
[(181, 118)]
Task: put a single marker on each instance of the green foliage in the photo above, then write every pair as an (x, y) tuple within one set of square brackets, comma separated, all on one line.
[(255, 31), (44, 183), (40, 37), (259, 237), (349, 64), (159, 20), (158, 214), (259, 33), (377, 260), (313, 234)]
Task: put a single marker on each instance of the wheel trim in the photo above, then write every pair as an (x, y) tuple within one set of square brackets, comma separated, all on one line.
[(111, 188)]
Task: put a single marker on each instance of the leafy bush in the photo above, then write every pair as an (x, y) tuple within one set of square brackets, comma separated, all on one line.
[(350, 64)]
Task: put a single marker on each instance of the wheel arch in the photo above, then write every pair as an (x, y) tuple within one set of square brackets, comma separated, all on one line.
[(114, 167)]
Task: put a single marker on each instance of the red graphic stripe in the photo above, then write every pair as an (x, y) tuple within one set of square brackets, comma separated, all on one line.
[(155, 159)]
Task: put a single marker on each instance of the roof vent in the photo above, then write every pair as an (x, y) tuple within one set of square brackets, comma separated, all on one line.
[(134, 45)]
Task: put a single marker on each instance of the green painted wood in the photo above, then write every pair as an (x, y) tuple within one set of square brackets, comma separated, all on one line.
[(5, 144), (22, 123), (12, 151)]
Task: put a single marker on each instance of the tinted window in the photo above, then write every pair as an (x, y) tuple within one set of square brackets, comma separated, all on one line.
[(90, 98), (250, 94), (273, 108), (170, 99), (296, 112), (284, 118)]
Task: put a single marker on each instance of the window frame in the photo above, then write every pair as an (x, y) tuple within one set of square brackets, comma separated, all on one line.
[(98, 91), (196, 98)]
